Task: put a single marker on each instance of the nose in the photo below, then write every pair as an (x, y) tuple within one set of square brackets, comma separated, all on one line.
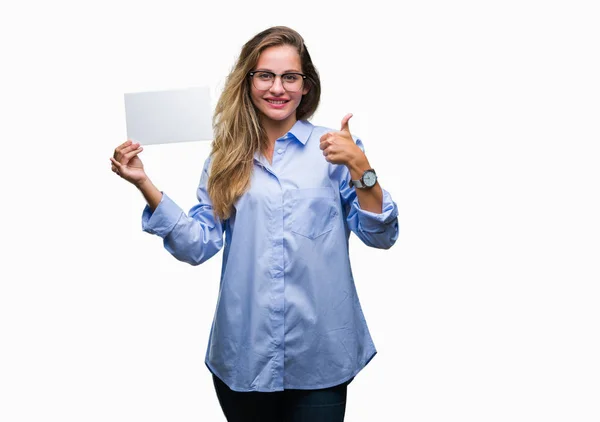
[(277, 87)]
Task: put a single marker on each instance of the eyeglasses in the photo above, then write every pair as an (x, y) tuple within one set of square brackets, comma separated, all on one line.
[(263, 80)]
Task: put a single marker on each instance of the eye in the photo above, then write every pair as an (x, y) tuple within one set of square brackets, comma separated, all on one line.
[(264, 76), (290, 77)]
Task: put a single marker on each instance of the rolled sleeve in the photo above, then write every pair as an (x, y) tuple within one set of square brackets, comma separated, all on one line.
[(192, 238), (164, 218), (377, 223), (375, 230)]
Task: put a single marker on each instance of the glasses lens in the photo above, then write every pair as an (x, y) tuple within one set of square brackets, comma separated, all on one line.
[(263, 80), (292, 82)]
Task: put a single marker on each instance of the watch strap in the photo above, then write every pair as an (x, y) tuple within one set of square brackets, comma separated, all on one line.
[(357, 184)]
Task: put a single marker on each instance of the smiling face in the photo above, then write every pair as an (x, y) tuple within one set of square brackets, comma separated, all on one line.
[(277, 106)]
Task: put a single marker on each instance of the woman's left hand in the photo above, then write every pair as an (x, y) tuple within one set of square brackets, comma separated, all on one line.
[(339, 147)]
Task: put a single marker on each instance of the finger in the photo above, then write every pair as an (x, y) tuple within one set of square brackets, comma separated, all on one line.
[(126, 157), (125, 147), (326, 136), (125, 144), (329, 155), (128, 148), (345, 122), (326, 140), (116, 163), (329, 150), (116, 166)]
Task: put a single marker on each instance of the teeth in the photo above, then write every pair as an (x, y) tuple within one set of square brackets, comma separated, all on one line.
[(276, 102)]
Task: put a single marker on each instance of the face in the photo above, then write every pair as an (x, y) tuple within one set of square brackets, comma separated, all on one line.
[(276, 105)]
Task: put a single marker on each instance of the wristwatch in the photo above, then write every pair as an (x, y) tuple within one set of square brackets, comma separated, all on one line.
[(367, 181)]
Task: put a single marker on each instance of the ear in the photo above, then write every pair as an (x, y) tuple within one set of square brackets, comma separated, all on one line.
[(306, 89)]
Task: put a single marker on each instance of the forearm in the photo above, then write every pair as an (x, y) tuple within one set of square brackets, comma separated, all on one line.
[(192, 238), (151, 193), (369, 199), (379, 230)]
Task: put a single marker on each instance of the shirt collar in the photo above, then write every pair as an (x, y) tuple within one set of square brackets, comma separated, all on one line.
[(300, 131)]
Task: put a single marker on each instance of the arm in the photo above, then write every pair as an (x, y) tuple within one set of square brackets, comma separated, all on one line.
[(369, 199), (151, 194), (370, 213), (191, 238)]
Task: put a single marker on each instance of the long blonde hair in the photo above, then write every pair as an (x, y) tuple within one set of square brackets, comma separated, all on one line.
[(238, 133)]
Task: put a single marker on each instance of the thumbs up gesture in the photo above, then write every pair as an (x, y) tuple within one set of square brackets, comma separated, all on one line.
[(339, 147)]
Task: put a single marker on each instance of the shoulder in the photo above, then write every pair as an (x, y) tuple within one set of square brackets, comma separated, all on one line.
[(318, 131), (207, 163)]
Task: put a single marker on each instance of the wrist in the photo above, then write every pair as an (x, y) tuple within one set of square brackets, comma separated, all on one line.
[(144, 184), (358, 166)]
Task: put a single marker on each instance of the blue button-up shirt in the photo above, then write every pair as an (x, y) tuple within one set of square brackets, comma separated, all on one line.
[(288, 315)]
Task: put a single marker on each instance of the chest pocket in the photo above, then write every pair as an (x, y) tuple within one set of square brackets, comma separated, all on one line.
[(314, 211)]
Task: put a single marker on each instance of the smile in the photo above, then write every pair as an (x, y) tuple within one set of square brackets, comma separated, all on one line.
[(277, 102)]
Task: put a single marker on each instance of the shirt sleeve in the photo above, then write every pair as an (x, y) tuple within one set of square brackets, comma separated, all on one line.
[(376, 230), (191, 238)]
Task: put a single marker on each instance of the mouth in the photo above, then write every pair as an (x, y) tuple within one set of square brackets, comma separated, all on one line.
[(277, 102)]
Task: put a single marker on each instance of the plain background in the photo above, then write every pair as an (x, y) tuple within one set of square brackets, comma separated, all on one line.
[(481, 119)]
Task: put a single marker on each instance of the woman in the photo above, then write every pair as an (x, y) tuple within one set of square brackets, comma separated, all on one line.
[(289, 333)]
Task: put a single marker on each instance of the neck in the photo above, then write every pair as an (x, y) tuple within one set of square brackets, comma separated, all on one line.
[(276, 129)]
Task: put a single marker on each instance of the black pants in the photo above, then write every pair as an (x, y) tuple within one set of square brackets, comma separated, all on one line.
[(324, 405)]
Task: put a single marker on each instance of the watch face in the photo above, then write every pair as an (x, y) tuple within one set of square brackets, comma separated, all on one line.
[(369, 178)]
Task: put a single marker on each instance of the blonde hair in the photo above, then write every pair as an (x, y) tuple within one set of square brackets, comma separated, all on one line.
[(238, 133)]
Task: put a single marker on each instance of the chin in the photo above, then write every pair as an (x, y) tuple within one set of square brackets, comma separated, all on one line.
[(278, 116)]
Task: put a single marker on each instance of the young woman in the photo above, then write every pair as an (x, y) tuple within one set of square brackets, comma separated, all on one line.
[(289, 333)]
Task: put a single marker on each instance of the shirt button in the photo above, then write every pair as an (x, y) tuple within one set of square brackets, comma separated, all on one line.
[(279, 151)]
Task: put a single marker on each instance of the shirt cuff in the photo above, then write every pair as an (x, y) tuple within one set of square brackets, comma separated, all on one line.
[(376, 223), (164, 218)]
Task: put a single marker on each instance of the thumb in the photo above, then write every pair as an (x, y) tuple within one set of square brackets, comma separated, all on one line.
[(345, 122)]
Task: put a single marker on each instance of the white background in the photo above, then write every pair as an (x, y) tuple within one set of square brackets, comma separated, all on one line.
[(481, 119)]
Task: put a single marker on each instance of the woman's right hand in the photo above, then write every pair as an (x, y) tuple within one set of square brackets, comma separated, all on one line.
[(127, 164)]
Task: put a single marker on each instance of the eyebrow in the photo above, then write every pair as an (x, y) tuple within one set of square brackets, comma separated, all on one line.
[(286, 71)]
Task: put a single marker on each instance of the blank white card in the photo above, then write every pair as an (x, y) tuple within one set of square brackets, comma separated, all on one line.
[(164, 117)]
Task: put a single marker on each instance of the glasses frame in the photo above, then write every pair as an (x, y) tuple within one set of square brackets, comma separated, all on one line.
[(281, 75)]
